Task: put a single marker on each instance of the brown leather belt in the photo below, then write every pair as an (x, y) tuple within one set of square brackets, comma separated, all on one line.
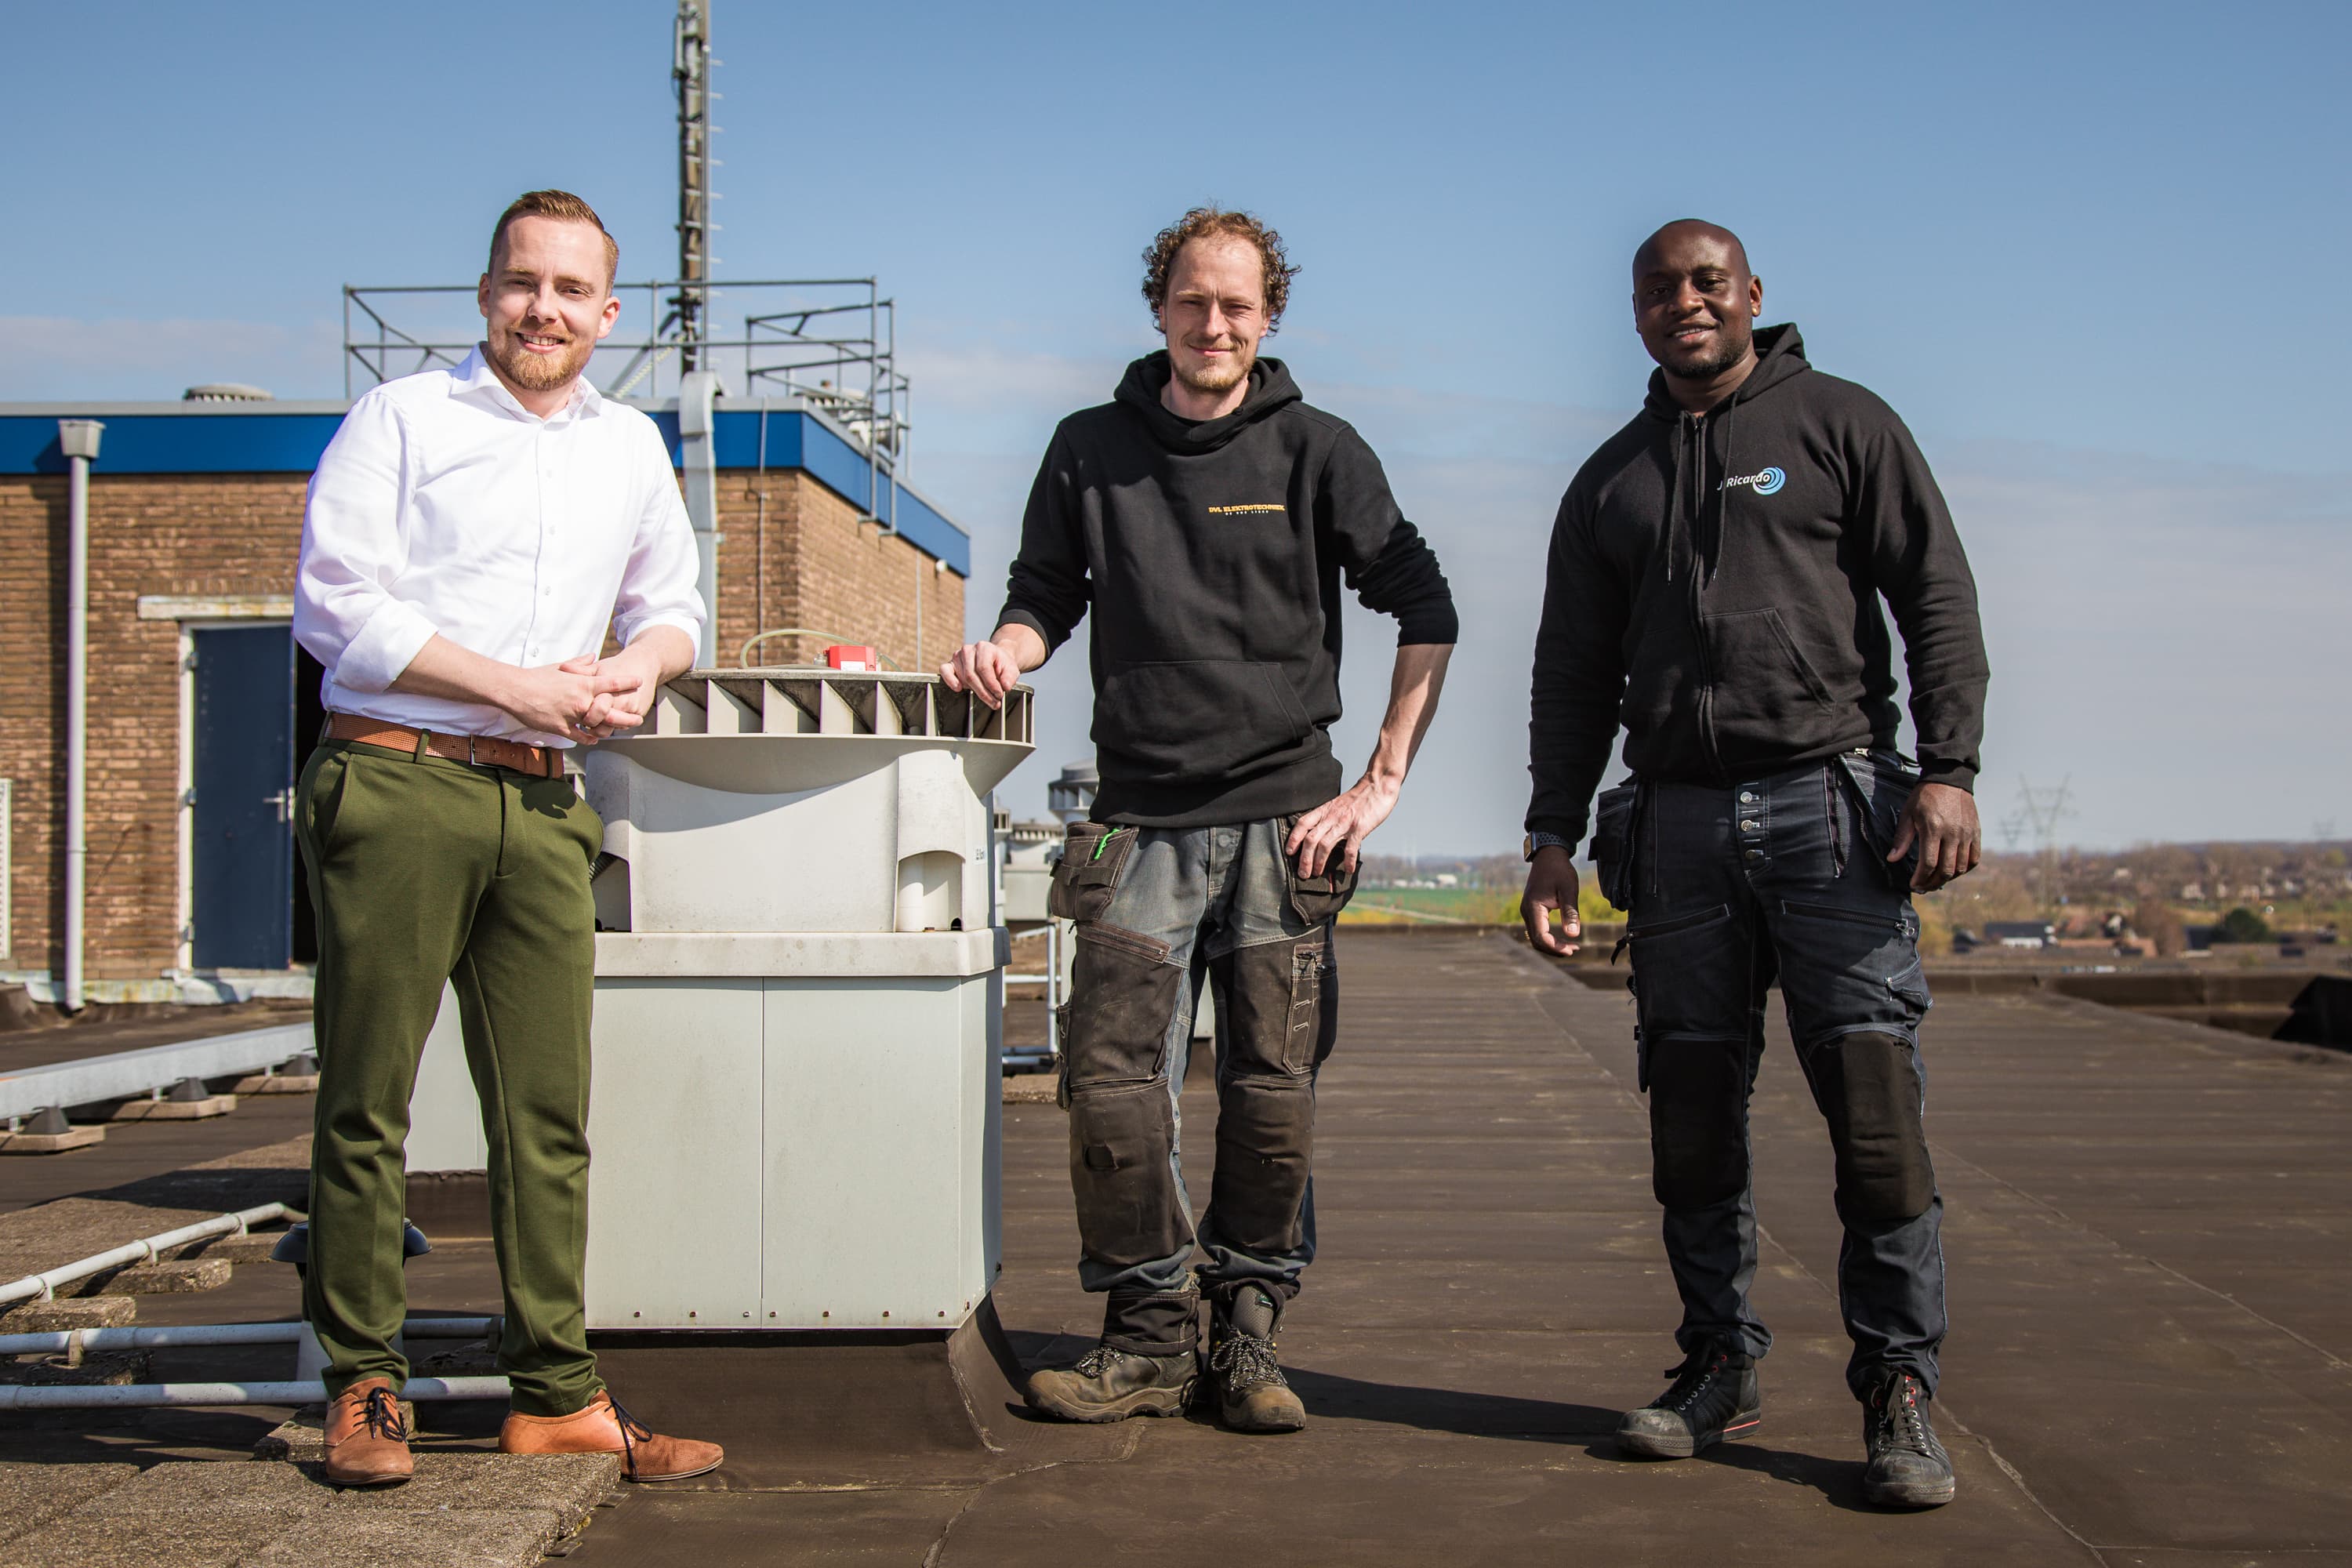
[(542, 762)]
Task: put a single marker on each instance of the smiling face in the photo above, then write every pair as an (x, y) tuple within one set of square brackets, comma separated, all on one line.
[(1214, 313), (1694, 301), (547, 300)]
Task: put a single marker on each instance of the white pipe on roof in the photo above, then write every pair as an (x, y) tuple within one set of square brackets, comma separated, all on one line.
[(306, 1391), (43, 1287), (77, 438), (184, 1336)]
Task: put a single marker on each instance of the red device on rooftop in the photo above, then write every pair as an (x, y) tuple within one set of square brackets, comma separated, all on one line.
[(847, 656)]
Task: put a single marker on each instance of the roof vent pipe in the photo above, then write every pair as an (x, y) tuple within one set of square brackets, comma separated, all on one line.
[(77, 438), (698, 428)]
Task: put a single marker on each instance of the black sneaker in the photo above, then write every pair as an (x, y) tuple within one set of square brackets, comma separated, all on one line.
[(1252, 1395), (1908, 1466), (1108, 1385), (1715, 1395)]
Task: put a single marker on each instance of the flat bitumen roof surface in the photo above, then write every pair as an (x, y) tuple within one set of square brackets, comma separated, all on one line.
[(2150, 1235)]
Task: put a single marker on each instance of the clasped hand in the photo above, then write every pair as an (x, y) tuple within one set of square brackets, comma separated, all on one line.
[(585, 699)]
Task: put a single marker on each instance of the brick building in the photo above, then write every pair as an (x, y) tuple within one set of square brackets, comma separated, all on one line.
[(198, 698)]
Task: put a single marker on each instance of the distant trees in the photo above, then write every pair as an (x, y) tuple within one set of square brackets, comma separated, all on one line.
[(2242, 924)]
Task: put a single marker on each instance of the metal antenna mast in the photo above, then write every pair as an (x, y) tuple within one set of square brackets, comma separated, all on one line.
[(691, 74)]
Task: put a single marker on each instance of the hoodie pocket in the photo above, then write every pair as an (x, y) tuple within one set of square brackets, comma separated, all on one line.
[(1194, 718), (1765, 688)]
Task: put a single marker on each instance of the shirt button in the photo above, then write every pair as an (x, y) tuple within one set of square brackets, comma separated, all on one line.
[(1748, 826), (1753, 854), (1747, 797)]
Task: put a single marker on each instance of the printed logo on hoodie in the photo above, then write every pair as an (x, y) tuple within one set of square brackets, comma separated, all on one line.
[(1766, 483), (1273, 506)]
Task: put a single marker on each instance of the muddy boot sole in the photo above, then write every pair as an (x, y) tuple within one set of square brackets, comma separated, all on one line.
[(1237, 1420), (1685, 1443)]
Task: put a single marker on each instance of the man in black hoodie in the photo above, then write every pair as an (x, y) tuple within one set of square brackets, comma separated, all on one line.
[(1713, 586), (1210, 518)]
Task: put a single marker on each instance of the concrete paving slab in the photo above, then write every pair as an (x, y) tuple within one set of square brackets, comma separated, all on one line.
[(32, 1495)]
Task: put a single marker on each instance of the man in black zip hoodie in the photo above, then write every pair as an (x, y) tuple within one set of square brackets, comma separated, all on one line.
[(1713, 586), (1209, 517)]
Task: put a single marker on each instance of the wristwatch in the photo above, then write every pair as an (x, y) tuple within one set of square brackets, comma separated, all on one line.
[(1536, 841)]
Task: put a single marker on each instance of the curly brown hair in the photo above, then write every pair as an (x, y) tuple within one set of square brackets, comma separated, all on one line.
[(1212, 222)]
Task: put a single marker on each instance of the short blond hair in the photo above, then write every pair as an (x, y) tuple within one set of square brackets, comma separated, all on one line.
[(566, 208)]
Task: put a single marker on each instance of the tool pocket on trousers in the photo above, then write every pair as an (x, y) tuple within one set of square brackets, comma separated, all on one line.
[(1613, 816), (1122, 1000), (1093, 856), (1880, 785), (1120, 1140), (1274, 1002), (1317, 898)]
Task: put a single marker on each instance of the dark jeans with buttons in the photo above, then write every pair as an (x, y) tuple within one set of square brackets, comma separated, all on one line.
[(1783, 877)]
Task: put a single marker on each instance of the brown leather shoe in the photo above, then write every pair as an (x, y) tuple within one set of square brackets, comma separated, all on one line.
[(367, 1440), (603, 1428)]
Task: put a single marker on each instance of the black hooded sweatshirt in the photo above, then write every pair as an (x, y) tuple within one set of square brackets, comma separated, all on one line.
[(1713, 586), (1212, 553)]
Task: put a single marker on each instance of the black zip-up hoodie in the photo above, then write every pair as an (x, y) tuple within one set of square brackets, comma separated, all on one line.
[(1713, 586), (1212, 553)]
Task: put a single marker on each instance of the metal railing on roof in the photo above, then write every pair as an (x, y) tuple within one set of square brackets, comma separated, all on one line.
[(831, 342)]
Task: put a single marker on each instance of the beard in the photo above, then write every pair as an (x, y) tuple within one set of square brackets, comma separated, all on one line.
[(1214, 377), (1735, 346), (537, 373)]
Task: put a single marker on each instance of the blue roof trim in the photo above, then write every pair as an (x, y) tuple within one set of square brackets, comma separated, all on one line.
[(177, 444), (290, 440), (797, 440)]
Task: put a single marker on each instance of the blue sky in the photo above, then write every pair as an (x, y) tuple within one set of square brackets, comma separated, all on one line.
[(2087, 252)]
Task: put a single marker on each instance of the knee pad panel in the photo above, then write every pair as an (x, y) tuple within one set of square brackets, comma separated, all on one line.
[(1867, 1085), (1272, 994), (1699, 1120), (1266, 1144), (1121, 1140), (1122, 999)]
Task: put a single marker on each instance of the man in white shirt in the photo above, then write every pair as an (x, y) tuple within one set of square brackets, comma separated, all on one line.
[(471, 535)]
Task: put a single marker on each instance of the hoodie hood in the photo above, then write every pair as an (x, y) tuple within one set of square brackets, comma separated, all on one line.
[(1270, 388)]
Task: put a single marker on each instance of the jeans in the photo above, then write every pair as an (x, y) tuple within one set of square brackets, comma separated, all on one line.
[(1784, 877), (1158, 909)]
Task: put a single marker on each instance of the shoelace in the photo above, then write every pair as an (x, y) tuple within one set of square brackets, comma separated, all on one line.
[(1245, 1360), (1900, 1424), (1095, 1362), (1692, 1380), (379, 1413), (633, 1431)]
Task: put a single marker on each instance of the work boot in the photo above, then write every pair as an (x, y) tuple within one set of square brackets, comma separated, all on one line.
[(1908, 1466), (367, 1439), (1110, 1385), (1715, 1395), (1251, 1394), (603, 1427)]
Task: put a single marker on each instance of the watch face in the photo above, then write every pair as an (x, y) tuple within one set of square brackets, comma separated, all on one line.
[(1527, 848)]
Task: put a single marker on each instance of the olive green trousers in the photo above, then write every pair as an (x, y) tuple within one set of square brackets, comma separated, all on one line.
[(425, 871)]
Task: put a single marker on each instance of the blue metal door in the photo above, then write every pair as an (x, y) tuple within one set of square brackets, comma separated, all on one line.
[(244, 810)]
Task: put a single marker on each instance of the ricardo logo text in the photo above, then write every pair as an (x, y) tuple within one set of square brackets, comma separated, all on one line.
[(1246, 507)]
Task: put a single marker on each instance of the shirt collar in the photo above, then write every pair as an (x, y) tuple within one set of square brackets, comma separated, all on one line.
[(475, 378)]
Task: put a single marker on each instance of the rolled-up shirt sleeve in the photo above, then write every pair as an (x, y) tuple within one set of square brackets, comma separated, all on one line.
[(660, 584), (353, 553)]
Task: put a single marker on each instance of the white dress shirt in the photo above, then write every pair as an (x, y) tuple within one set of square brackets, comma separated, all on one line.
[(443, 505)]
